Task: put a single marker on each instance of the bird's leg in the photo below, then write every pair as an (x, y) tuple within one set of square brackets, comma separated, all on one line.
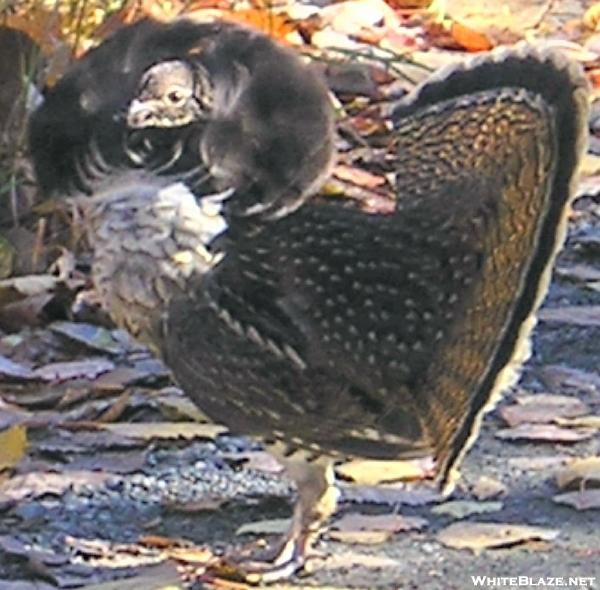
[(317, 501)]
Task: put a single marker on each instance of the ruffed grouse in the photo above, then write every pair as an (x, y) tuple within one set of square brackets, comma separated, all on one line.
[(329, 332)]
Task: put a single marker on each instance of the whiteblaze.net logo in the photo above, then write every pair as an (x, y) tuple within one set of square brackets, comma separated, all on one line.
[(533, 582)]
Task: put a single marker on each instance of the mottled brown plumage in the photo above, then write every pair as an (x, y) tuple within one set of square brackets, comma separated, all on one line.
[(330, 332)]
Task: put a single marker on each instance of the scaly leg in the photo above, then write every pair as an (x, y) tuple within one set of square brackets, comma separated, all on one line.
[(317, 501)]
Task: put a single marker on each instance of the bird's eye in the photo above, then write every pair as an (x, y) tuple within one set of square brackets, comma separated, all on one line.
[(176, 97)]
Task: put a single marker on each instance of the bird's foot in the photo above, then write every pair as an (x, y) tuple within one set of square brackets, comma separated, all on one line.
[(317, 497)]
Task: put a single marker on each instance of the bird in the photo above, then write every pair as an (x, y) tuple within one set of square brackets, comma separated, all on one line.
[(328, 332), (267, 125)]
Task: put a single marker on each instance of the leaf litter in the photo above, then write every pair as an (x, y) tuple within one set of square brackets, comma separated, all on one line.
[(70, 396)]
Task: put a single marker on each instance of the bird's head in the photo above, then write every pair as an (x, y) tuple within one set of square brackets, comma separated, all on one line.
[(171, 93)]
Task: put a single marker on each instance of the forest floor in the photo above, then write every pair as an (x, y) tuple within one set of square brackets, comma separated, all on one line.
[(87, 501)]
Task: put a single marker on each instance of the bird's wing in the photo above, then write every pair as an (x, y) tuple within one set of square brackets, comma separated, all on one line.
[(362, 332)]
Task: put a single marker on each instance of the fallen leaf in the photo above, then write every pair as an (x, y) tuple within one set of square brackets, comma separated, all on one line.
[(12, 370), (478, 536), (275, 25), (36, 484), (360, 537), (13, 445), (581, 500), (105, 554), (94, 337), (192, 555), (63, 442), (148, 370), (350, 559), (550, 399), (393, 523), (358, 176), (577, 315), (591, 17), (581, 421), (274, 526), (165, 430), (578, 273), (545, 433), (579, 473), (169, 580), (18, 288), (486, 488), (372, 472), (470, 39), (87, 369), (118, 462), (117, 409), (545, 410), (459, 509), (176, 406)]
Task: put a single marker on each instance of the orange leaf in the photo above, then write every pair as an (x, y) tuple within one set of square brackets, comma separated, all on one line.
[(469, 39), (42, 25), (275, 25)]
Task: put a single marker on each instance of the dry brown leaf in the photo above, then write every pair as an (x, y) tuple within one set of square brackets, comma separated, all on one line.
[(16, 289), (90, 335), (37, 484), (165, 430), (349, 559), (42, 25), (393, 523), (100, 553), (582, 500), (12, 370), (358, 176), (577, 315), (275, 25), (85, 369), (371, 472), (117, 409), (195, 555), (177, 407), (545, 433), (459, 509), (162, 577), (478, 536), (120, 462), (542, 409), (580, 422), (580, 473), (360, 537), (470, 39), (578, 273), (161, 542), (13, 446)]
